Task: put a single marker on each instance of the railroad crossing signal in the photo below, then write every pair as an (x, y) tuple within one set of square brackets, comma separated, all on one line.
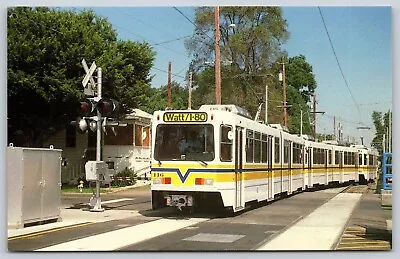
[(89, 72), (108, 107), (87, 108)]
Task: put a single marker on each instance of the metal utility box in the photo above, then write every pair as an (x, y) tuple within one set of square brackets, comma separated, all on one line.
[(95, 170), (34, 185)]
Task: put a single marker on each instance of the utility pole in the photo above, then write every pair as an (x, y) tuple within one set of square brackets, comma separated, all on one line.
[(384, 143), (97, 206), (390, 133), (334, 127), (301, 122), (190, 90), (217, 58), (284, 93), (169, 85), (315, 116), (387, 139), (266, 103)]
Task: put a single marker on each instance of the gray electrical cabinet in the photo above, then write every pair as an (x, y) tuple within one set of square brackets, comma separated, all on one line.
[(34, 185)]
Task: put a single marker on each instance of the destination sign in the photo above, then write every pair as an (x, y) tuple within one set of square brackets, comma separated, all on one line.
[(185, 117)]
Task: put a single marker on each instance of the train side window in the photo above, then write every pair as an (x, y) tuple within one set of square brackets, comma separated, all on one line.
[(226, 143), (329, 157), (336, 157), (286, 145), (277, 151), (249, 146), (257, 147), (371, 160), (315, 156), (264, 148)]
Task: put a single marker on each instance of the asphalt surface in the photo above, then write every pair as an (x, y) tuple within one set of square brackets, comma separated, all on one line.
[(367, 227), (243, 232)]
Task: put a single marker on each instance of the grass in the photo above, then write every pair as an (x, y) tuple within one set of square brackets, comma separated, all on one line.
[(75, 189)]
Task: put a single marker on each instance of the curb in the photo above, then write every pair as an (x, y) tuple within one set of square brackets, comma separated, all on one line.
[(107, 190)]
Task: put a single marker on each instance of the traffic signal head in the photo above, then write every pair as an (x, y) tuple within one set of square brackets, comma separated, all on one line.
[(107, 107), (81, 125), (86, 108)]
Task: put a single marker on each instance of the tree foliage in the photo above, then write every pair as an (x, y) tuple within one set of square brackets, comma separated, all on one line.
[(157, 99), (45, 50), (381, 123), (251, 58), (252, 45)]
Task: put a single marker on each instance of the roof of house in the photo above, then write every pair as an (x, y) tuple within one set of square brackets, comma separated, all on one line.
[(137, 113)]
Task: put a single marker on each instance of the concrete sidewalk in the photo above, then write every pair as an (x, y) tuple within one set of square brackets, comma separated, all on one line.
[(71, 216)]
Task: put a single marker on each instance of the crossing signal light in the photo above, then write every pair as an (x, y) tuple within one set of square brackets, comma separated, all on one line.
[(108, 107), (86, 108)]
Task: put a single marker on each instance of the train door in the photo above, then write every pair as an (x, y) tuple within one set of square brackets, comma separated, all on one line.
[(304, 162), (270, 174), (239, 204), (326, 166), (310, 158), (290, 167), (341, 166)]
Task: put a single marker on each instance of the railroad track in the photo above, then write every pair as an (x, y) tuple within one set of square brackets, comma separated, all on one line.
[(356, 189), (359, 238)]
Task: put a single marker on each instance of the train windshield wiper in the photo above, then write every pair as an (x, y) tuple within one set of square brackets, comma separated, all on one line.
[(203, 162), (159, 162)]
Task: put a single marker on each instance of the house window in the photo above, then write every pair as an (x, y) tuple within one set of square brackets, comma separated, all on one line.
[(122, 136), (70, 138)]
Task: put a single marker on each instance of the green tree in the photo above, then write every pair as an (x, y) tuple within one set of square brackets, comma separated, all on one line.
[(247, 52), (45, 50), (300, 86), (381, 123), (254, 42), (157, 99)]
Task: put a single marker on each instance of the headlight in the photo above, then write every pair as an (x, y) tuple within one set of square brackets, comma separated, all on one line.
[(156, 180), (208, 181)]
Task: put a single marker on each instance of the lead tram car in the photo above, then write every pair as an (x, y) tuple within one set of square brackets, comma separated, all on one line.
[(219, 156)]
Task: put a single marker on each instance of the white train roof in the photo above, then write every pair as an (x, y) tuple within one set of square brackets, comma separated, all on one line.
[(226, 107)]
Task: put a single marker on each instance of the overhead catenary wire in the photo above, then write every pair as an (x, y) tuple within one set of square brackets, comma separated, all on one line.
[(337, 60), (191, 21)]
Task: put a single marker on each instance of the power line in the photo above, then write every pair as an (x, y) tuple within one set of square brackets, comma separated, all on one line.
[(152, 43), (167, 72), (191, 22), (337, 60), (168, 41), (184, 16), (145, 23), (347, 121)]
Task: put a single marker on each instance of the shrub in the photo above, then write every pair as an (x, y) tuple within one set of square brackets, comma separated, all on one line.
[(127, 172)]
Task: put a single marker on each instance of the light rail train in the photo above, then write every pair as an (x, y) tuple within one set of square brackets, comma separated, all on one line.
[(220, 155)]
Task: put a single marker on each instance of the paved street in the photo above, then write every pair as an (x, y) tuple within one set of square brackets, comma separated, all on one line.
[(128, 224)]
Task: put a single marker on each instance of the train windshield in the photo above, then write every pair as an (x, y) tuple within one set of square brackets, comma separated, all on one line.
[(184, 142)]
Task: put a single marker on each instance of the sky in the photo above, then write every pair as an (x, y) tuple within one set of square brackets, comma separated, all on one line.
[(361, 37)]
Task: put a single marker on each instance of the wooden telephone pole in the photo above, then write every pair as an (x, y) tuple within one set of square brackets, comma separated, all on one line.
[(169, 85), (217, 59)]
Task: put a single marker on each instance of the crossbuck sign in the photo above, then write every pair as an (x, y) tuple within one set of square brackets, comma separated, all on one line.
[(89, 72)]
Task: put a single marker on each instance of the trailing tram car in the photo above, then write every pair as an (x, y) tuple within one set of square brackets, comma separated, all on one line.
[(219, 155)]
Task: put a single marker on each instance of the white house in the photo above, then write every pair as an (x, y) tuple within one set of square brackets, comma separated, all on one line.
[(123, 146)]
